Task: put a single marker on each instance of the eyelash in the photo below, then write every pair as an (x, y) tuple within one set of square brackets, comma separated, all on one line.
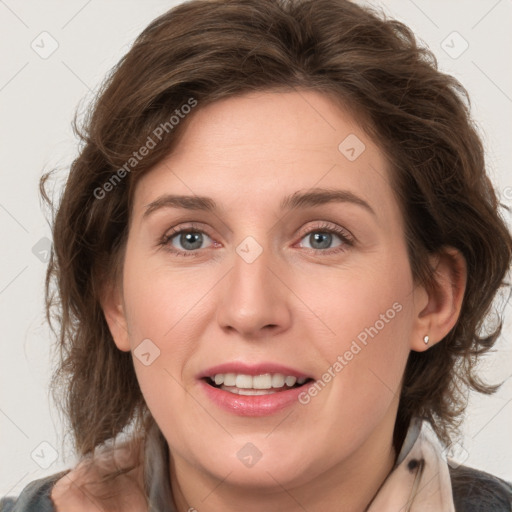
[(343, 234)]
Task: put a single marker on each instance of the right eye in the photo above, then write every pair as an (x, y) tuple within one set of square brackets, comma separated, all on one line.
[(190, 240)]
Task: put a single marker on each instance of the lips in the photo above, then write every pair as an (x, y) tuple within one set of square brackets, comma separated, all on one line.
[(253, 390)]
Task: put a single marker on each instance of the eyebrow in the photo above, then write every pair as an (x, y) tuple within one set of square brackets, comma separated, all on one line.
[(297, 200)]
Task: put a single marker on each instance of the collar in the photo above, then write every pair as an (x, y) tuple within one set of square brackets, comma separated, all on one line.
[(420, 480)]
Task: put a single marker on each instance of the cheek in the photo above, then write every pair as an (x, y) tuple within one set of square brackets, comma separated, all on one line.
[(369, 318), (167, 310), (160, 318), (162, 301), (361, 304)]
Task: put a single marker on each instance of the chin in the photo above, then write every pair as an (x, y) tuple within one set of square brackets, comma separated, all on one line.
[(259, 467)]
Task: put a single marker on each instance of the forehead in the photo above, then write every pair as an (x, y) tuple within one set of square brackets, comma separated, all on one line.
[(254, 149)]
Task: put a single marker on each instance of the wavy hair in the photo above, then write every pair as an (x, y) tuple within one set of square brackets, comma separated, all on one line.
[(210, 50)]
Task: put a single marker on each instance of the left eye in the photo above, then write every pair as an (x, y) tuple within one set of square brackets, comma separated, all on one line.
[(322, 239)]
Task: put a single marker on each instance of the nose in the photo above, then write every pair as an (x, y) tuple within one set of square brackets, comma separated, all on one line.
[(255, 301)]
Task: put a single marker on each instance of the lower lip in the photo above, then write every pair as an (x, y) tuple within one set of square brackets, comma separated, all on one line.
[(252, 405)]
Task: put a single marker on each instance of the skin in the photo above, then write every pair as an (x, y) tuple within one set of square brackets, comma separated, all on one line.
[(291, 305)]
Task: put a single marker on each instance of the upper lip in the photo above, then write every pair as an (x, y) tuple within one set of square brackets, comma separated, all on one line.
[(242, 368)]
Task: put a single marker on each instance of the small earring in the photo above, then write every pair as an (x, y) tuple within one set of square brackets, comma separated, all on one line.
[(426, 340)]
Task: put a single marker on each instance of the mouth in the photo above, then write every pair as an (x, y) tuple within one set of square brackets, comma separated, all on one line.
[(256, 385), (254, 389)]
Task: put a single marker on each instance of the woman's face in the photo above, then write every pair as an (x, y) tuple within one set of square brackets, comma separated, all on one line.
[(267, 287)]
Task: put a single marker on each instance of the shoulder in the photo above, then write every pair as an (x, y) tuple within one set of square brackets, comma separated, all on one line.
[(112, 477), (478, 491), (34, 497), (111, 480)]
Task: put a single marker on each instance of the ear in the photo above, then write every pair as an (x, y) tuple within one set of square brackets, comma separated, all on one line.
[(438, 308), (114, 311)]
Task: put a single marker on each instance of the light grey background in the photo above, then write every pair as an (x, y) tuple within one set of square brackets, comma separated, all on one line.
[(38, 98)]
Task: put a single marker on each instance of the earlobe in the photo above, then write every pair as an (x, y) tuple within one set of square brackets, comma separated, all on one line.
[(439, 310), (113, 310)]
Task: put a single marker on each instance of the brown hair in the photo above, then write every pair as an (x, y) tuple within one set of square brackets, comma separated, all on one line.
[(207, 50)]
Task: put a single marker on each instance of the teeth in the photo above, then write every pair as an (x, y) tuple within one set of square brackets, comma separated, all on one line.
[(290, 381), (265, 381), (238, 391), (262, 381), (278, 380), (243, 381), (229, 379)]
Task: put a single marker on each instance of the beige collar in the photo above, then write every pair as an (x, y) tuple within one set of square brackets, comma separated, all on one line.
[(420, 480)]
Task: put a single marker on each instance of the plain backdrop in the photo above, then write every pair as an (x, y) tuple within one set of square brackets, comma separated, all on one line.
[(53, 54)]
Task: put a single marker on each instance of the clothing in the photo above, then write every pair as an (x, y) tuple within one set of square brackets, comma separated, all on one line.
[(421, 481), (35, 497)]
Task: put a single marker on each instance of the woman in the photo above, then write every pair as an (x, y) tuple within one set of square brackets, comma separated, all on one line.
[(272, 260)]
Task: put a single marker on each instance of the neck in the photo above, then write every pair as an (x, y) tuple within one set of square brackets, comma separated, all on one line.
[(350, 485)]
